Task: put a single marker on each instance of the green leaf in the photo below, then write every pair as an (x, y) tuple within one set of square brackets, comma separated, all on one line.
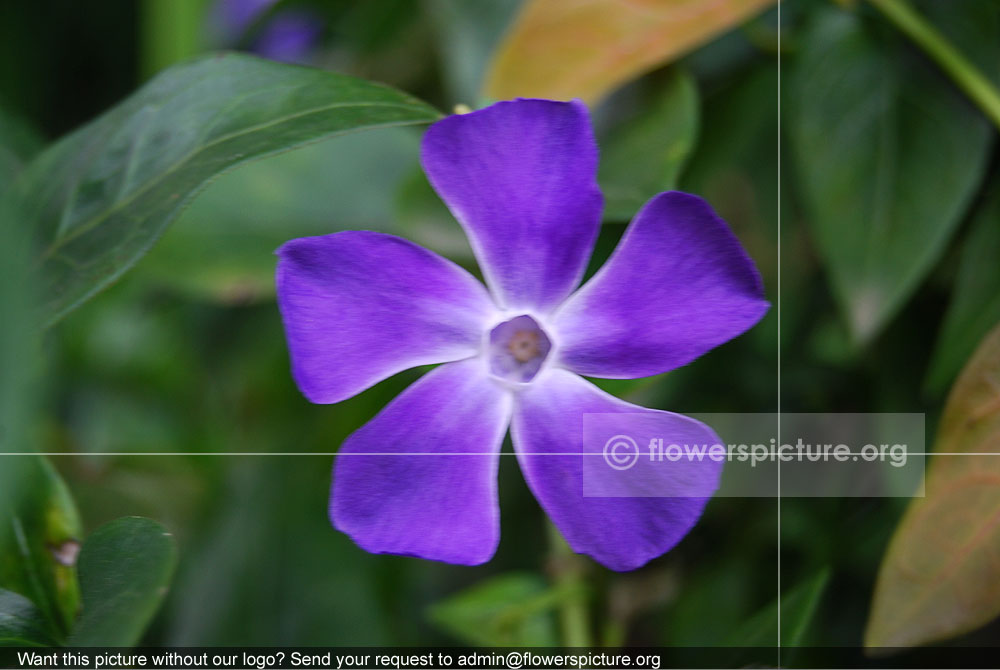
[(940, 576), (508, 610), (889, 154), (217, 251), (975, 302), (798, 609), (39, 541), (21, 623), (102, 196), (644, 155), (125, 570)]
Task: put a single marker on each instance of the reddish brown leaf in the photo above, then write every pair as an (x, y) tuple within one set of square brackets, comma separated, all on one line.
[(566, 49), (941, 575)]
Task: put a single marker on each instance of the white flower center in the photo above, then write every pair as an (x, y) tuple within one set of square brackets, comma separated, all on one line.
[(517, 349)]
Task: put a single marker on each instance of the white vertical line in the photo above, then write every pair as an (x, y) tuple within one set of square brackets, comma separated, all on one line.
[(778, 301)]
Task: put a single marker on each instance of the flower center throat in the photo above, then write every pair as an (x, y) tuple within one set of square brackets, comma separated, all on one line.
[(517, 349)]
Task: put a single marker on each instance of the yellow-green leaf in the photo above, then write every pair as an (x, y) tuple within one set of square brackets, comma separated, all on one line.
[(40, 534), (941, 575), (566, 49)]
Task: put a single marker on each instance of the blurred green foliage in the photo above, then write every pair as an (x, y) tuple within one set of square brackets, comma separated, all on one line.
[(886, 175), (885, 180)]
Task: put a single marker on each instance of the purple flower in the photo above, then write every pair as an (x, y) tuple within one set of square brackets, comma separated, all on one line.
[(290, 35), (360, 306), (231, 18)]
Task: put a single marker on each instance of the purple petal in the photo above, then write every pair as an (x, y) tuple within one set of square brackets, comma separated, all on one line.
[(442, 506), (521, 178), (361, 306), (622, 533), (678, 285)]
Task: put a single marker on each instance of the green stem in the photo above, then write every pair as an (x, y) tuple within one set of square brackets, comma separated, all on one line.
[(569, 577), (171, 31), (614, 634), (979, 89)]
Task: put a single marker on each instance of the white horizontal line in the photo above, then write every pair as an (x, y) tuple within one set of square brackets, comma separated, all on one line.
[(418, 453), (283, 453)]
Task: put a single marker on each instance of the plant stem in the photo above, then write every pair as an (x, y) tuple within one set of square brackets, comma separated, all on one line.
[(171, 31), (965, 75), (568, 570)]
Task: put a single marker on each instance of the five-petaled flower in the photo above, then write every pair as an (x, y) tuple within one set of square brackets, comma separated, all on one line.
[(520, 177)]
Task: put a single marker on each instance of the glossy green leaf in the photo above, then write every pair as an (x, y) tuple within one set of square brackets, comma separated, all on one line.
[(645, 154), (889, 155), (941, 575), (798, 609), (125, 571), (975, 301), (508, 610), (39, 541), (21, 623), (102, 196)]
